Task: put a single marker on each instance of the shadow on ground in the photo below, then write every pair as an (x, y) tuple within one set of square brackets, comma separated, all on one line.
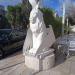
[(61, 58)]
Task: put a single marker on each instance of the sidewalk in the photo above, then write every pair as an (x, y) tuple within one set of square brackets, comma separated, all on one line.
[(14, 65)]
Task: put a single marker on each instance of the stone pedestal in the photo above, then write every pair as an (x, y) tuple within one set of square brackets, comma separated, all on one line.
[(43, 61), (33, 63), (48, 62)]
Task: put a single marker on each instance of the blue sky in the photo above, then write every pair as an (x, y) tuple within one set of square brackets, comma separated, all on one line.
[(48, 3), (9, 2), (51, 3), (54, 4)]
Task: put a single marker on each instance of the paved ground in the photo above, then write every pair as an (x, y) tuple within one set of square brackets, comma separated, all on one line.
[(14, 65)]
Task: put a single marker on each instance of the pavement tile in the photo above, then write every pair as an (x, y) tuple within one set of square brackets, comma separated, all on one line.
[(7, 71), (51, 72), (60, 69), (64, 68), (72, 68), (18, 70), (11, 61), (27, 71), (72, 58)]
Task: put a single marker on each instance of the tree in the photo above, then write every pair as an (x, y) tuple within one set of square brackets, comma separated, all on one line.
[(49, 19), (11, 15), (4, 22), (18, 15), (26, 8)]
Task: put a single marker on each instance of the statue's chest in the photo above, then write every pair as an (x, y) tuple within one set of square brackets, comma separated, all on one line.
[(35, 26)]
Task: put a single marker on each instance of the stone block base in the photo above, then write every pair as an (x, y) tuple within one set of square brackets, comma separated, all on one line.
[(40, 64), (48, 62)]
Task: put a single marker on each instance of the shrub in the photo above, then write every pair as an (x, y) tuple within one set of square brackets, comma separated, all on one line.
[(49, 19)]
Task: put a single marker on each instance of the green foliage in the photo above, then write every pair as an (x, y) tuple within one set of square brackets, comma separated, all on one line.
[(26, 8), (4, 22), (11, 15), (14, 16), (18, 15), (49, 19)]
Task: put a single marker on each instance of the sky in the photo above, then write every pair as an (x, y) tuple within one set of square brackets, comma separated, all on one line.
[(48, 3), (9, 2), (51, 3), (54, 4)]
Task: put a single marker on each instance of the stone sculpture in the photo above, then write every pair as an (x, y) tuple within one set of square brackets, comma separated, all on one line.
[(38, 29), (38, 41)]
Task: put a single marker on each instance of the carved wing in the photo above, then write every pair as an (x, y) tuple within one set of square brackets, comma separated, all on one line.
[(28, 42)]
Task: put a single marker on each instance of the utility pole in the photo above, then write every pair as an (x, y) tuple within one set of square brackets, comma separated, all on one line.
[(41, 3), (63, 18)]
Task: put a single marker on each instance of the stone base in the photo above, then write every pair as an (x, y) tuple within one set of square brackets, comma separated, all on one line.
[(48, 62), (40, 64)]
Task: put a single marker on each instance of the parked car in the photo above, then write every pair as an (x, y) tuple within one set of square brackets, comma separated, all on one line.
[(11, 41)]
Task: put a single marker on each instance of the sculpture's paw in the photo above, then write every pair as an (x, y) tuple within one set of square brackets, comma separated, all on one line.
[(32, 51)]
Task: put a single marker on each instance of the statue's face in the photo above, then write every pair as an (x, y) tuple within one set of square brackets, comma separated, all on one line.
[(33, 2)]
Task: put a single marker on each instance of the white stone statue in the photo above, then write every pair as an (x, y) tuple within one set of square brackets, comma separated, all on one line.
[(37, 26), (38, 38)]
